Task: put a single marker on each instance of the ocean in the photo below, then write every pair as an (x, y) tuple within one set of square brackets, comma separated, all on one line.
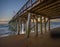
[(4, 29), (55, 24)]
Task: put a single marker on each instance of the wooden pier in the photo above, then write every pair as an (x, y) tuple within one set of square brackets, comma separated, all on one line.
[(35, 11)]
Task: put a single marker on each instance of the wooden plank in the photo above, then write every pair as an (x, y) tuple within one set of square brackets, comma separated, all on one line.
[(47, 6)]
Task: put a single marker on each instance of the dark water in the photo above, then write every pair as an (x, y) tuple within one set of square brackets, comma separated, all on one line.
[(4, 31)]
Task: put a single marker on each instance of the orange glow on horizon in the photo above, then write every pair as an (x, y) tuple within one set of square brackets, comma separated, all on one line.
[(3, 22)]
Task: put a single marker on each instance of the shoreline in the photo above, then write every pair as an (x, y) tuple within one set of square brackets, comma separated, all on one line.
[(32, 41)]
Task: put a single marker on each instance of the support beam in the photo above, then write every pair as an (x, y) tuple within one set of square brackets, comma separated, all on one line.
[(15, 25), (45, 24), (41, 24), (18, 26), (36, 26), (49, 25), (24, 26), (28, 25), (21, 26)]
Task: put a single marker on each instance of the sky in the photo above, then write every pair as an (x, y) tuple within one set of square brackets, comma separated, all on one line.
[(8, 8)]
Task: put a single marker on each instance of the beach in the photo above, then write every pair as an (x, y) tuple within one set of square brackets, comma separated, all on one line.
[(30, 23), (13, 40), (23, 41)]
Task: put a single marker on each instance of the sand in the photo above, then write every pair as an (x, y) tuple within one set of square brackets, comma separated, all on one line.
[(22, 41)]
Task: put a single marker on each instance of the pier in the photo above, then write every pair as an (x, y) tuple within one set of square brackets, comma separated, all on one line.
[(29, 22), (35, 11)]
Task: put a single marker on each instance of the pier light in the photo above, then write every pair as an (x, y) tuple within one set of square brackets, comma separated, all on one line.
[(42, 17), (31, 20), (46, 19), (38, 19), (34, 20)]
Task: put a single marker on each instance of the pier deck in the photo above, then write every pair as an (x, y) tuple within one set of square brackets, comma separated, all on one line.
[(36, 11)]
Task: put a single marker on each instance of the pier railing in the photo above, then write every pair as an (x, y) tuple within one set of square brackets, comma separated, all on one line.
[(28, 4)]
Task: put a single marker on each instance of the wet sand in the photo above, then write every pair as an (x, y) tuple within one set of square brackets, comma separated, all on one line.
[(21, 41)]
